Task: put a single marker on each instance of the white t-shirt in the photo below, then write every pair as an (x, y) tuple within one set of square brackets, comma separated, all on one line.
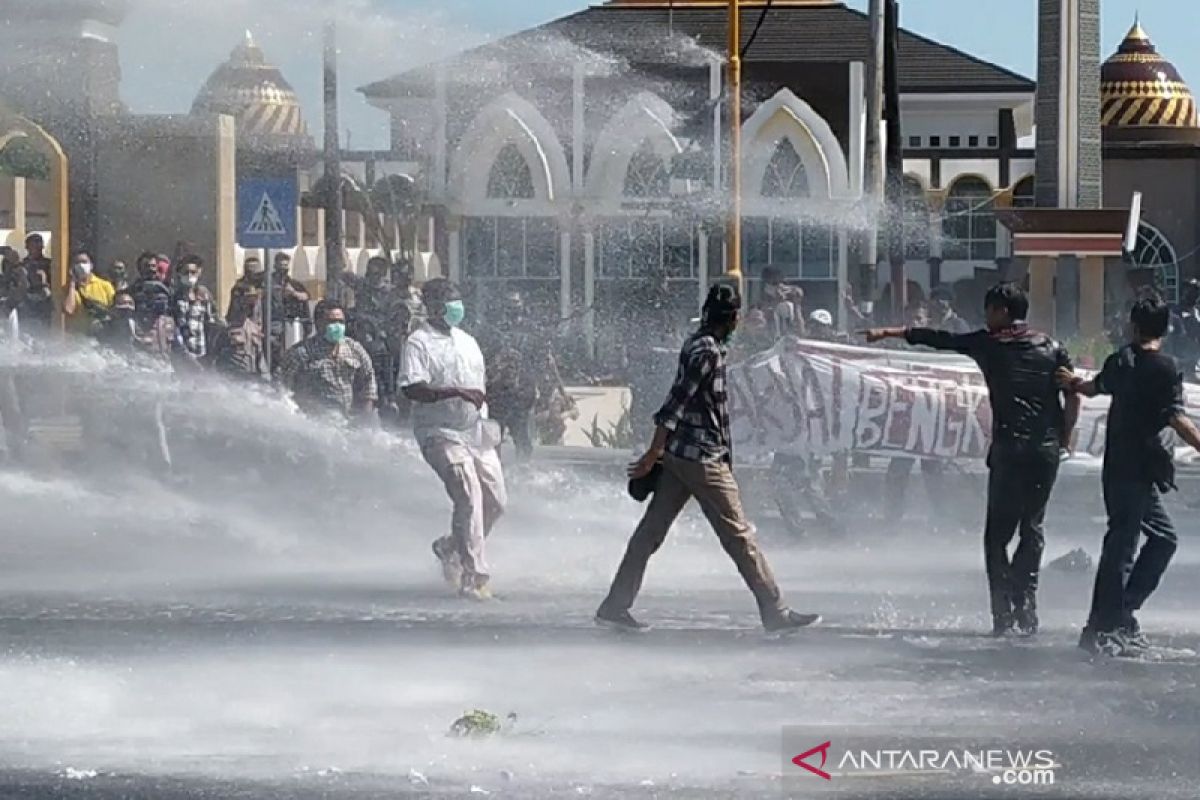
[(444, 361)]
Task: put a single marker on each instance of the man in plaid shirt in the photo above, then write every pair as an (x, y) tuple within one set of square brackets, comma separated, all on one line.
[(331, 372), (693, 443)]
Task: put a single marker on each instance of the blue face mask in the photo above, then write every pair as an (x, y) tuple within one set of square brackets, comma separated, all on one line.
[(454, 313), (335, 332)]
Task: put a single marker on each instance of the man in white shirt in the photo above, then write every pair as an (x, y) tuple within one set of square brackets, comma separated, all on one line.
[(442, 372)]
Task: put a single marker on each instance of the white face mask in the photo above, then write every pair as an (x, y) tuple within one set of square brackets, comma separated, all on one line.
[(191, 280), (81, 269)]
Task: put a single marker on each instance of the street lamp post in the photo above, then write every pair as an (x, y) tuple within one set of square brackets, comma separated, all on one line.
[(733, 227)]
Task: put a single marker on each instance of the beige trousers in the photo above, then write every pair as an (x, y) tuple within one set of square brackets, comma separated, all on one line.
[(475, 484), (716, 491)]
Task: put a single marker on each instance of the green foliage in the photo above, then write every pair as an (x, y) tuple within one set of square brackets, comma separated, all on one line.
[(20, 159), (619, 435), (479, 724)]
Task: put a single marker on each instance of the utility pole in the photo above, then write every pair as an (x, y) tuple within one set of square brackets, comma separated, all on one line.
[(733, 91), (868, 286), (895, 160), (334, 236)]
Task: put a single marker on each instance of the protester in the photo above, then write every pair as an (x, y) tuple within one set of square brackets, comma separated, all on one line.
[(289, 297), (330, 372), (522, 372), (942, 315), (245, 298), (88, 298), (692, 450), (368, 326), (152, 296), (1147, 398), (117, 274), (782, 304), (289, 305), (118, 331), (193, 311), (1183, 341), (443, 373), (14, 287), (1030, 424), (39, 302), (237, 351), (820, 327)]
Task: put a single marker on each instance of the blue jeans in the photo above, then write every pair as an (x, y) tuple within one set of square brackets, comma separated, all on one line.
[(1126, 577)]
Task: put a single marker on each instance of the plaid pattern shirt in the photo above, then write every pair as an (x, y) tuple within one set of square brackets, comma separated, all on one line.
[(327, 377), (697, 408)]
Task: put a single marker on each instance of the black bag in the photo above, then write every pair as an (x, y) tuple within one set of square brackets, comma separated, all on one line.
[(641, 488)]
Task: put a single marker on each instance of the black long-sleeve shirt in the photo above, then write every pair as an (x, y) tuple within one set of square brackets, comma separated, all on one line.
[(1018, 365)]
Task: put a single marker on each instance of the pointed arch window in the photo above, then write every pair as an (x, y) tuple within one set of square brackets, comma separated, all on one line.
[(1154, 251), (785, 175), (510, 178), (647, 176)]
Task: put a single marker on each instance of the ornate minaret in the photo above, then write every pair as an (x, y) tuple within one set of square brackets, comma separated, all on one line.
[(1068, 104)]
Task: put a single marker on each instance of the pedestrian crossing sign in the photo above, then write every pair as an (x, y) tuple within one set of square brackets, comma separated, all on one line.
[(267, 213)]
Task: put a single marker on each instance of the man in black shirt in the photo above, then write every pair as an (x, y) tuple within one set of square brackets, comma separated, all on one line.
[(1031, 423), (1147, 397)]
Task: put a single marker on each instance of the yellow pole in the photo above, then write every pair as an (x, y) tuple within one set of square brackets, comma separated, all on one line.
[(733, 229)]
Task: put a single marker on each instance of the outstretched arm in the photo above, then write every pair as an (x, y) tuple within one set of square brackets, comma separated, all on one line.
[(1075, 386), (1187, 430)]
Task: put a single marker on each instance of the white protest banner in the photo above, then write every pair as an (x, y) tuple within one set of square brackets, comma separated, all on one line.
[(811, 398)]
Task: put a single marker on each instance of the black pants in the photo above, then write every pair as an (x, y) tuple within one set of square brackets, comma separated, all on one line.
[(1123, 582), (517, 422), (1019, 486), (899, 470)]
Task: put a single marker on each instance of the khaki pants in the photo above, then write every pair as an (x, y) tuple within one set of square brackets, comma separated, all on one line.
[(475, 484), (716, 491)]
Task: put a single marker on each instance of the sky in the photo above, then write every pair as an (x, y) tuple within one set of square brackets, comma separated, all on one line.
[(169, 47)]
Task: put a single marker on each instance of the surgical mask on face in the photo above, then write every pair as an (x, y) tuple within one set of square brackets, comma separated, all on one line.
[(335, 332), (191, 280), (81, 269), (455, 312)]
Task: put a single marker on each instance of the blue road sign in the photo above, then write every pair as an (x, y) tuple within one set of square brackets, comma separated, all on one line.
[(266, 212)]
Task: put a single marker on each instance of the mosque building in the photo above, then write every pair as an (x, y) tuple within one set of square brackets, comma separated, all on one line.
[(581, 160)]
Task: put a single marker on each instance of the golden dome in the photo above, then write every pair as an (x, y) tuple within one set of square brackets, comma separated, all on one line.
[(267, 110), (1141, 89)]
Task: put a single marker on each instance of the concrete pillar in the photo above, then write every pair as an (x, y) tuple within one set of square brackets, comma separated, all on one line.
[(454, 242), (564, 267), (589, 291), (1041, 292), (226, 267), (1091, 297), (18, 207)]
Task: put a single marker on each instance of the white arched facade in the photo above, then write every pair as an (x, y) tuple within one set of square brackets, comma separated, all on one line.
[(795, 223), (646, 118), (509, 231), (508, 120), (786, 117)]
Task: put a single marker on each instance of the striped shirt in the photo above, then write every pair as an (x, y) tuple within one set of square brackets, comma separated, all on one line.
[(697, 408)]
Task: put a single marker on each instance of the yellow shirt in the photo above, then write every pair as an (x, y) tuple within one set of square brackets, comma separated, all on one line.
[(96, 290)]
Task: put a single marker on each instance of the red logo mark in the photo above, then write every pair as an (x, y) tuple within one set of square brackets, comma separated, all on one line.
[(823, 749)]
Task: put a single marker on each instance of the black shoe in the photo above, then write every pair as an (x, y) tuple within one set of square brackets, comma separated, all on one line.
[(1132, 634), (619, 620), (1002, 626), (790, 620), (1027, 621)]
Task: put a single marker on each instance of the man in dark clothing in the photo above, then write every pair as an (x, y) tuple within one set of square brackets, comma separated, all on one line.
[(1031, 423), (246, 295), (1147, 398), (151, 294), (942, 314), (1183, 342), (39, 304), (693, 443)]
